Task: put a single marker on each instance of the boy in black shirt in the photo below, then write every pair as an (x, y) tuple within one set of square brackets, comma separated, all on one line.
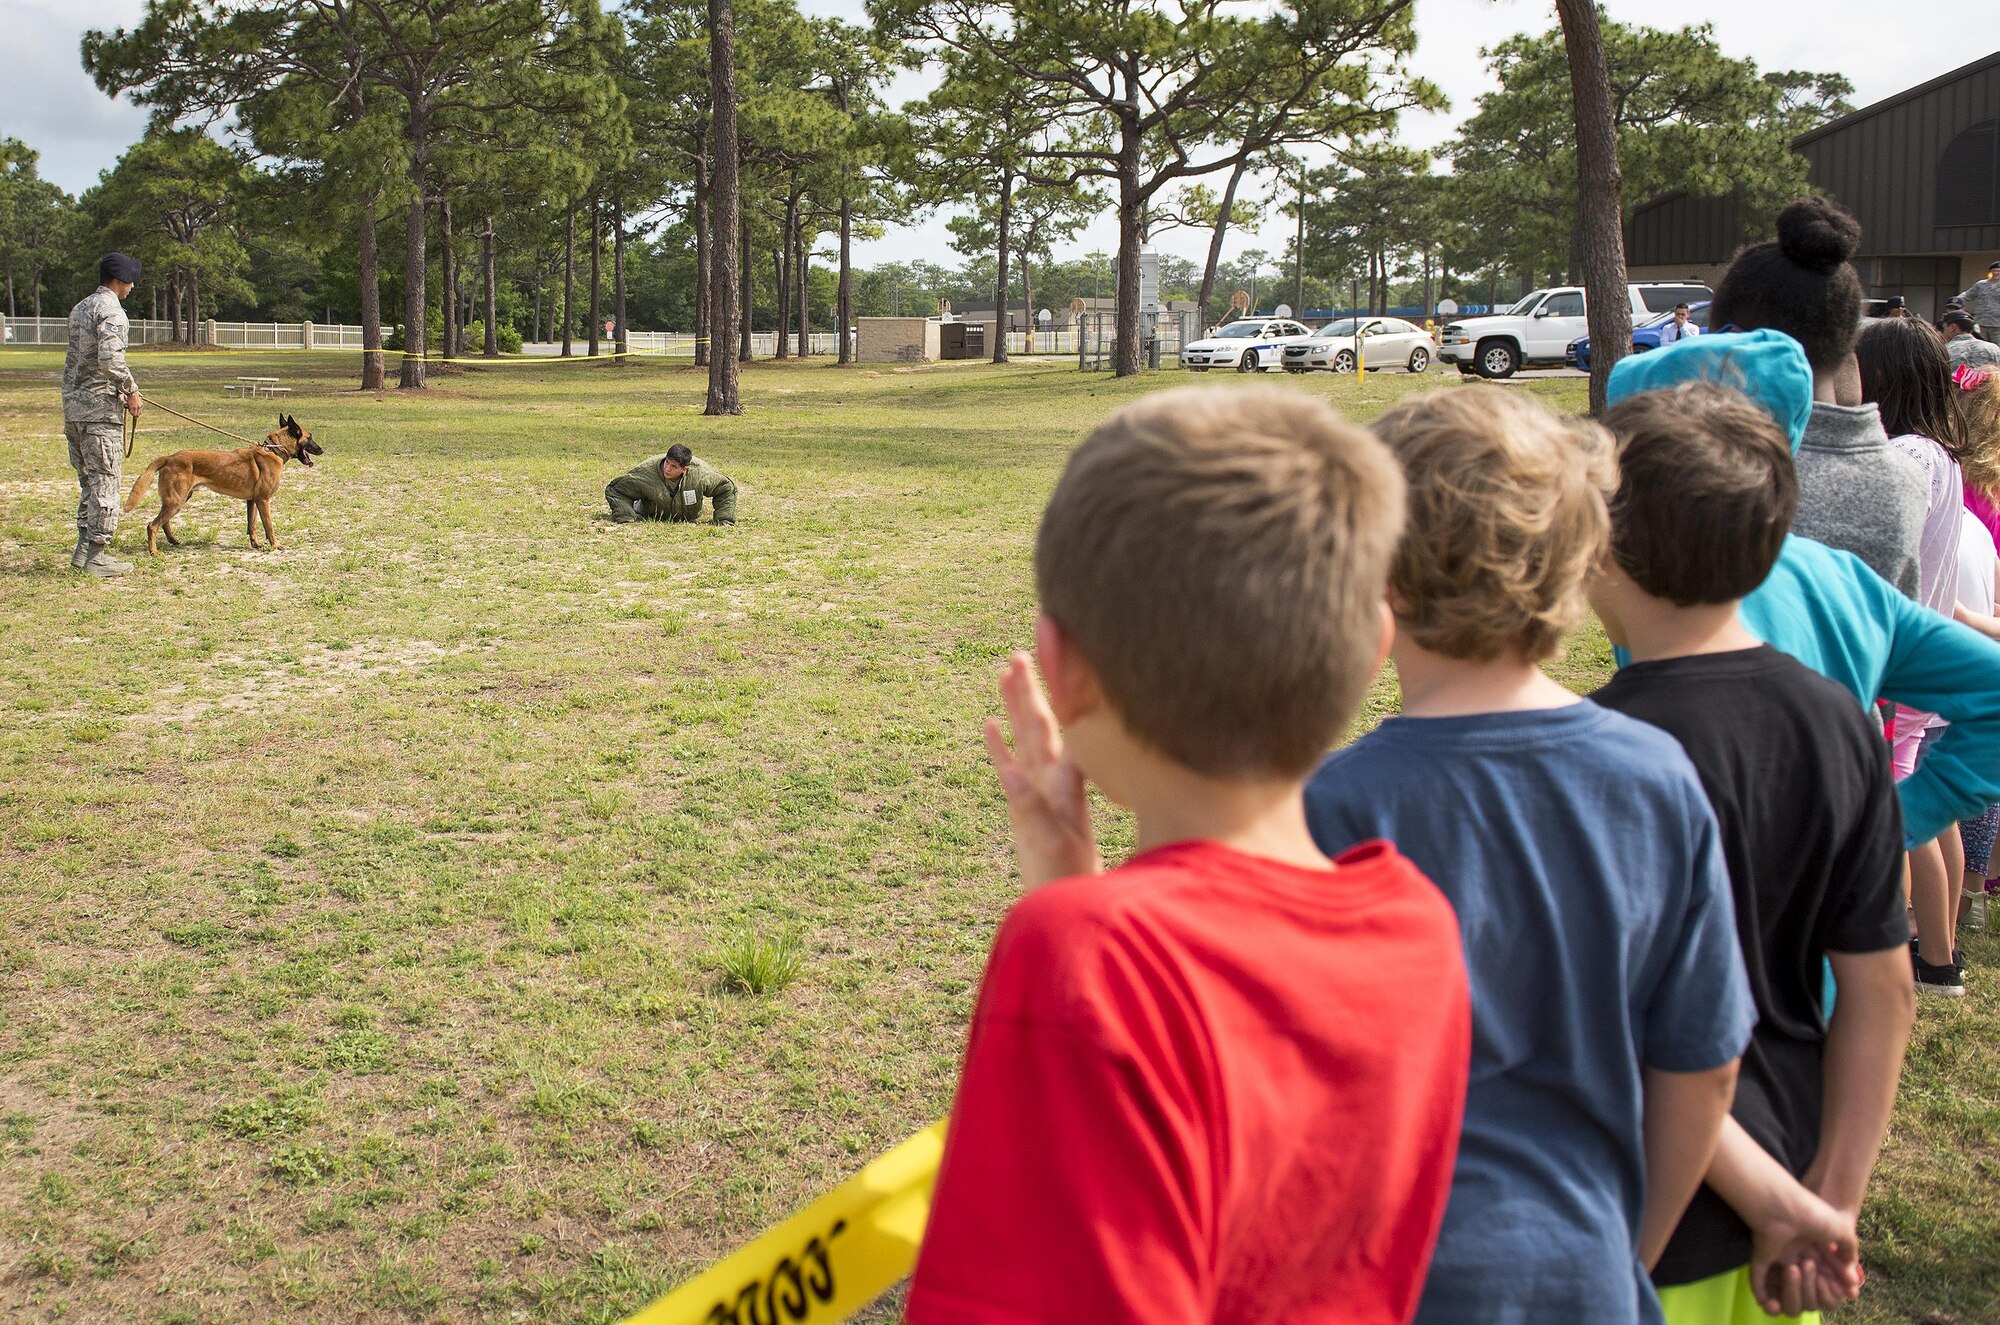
[(1812, 836)]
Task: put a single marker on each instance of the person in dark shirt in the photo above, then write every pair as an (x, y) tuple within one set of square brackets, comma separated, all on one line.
[(1812, 836)]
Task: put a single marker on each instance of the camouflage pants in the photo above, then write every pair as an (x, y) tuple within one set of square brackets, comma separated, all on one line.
[(95, 452)]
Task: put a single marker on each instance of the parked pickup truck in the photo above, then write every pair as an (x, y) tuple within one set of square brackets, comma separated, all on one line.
[(1537, 331)]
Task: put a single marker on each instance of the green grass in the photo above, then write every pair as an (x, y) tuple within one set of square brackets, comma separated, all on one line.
[(376, 915)]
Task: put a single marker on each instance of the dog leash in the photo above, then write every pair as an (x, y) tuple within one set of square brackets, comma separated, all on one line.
[(132, 428)]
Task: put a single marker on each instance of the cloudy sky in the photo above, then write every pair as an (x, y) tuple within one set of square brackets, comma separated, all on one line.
[(46, 99)]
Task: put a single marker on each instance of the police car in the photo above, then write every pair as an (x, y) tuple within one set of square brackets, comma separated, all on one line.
[(1249, 345)]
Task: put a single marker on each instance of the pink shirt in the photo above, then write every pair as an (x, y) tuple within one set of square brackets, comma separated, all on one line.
[(1984, 510)]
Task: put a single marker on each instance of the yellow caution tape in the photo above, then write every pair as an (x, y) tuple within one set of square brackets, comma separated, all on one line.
[(827, 1261), (510, 361)]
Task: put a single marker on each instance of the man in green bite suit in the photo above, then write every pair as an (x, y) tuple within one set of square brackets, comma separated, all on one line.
[(672, 487)]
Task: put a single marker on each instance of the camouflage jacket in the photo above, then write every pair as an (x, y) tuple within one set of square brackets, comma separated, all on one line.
[(1983, 302), (1972, 351), (95, 378), (678, 502)]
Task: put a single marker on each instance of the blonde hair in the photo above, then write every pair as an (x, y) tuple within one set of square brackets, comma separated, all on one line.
[(1219, 556), (1508, 519), (1981, 459)]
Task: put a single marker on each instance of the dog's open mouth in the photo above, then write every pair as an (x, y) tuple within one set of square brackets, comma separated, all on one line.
[(306, 458)]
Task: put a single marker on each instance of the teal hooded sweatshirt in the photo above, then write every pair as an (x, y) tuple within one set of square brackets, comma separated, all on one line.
[(1826, 607)]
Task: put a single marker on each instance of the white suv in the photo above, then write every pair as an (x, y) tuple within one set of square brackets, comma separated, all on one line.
[(1249, 345), (1538, 330)]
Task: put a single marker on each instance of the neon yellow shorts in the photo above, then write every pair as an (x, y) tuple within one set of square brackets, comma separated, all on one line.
[(1724, 1299)]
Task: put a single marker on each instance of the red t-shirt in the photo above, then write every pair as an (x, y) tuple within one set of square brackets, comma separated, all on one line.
[(1205, 1087)]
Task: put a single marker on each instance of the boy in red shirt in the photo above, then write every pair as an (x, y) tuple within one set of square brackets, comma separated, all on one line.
[(1221, 1082)]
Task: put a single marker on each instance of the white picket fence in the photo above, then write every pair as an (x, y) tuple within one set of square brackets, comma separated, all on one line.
[(224, 335), (680, 344), (54, 331)]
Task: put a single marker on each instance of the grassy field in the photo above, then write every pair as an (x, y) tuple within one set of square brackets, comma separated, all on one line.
[(379, 917)]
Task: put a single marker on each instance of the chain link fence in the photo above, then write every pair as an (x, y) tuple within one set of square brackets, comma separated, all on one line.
[(1161, 337)]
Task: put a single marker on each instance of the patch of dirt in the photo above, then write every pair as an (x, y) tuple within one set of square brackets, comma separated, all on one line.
[(311, 676)]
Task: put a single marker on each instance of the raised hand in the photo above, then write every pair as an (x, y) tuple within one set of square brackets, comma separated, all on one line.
[(1046, 802)]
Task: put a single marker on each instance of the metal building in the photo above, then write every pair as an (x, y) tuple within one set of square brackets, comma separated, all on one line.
[(1919, 170)]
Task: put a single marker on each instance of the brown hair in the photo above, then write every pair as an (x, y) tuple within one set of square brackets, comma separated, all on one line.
[(1507, 520), (1219, 557), (1906, 374), (1706, 493), (1980, 460)]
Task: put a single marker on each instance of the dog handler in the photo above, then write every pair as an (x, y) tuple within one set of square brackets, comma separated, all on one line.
[(97, 391), (672, 487)]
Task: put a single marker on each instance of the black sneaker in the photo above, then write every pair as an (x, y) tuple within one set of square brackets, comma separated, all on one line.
[(1941, 981)]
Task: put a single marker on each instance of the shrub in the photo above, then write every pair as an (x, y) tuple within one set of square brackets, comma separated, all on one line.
[(475, 338)]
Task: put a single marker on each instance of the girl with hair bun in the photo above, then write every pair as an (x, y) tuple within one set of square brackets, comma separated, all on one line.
[(1855, 491)]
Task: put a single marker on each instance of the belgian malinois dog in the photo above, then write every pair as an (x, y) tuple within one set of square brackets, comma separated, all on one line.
[(250, 475)]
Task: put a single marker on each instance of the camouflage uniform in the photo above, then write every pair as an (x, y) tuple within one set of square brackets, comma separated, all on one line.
[(1968, 349), (95, 383), (645, 494), (1982, 301)]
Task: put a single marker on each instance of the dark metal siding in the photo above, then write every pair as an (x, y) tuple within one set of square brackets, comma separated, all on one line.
[(1883, 166), (1680, 229), (1880, 163)]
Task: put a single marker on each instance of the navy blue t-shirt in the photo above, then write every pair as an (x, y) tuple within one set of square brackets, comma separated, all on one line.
[(1579, 850)]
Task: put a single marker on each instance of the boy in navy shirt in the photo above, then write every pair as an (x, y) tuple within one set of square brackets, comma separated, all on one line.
[(1799, 780), (1609, 1003)]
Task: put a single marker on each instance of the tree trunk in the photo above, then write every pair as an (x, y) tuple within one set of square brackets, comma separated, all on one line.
[(596, 276), (537, 322), (1028, 299), (1001, 285), (416, 262), (1215, 240), (1599, 227), (726, 213), (749, 296), (1131, 207), (843, 299), (621, 343), (194, 308), (704, 265), (569, 281), (491, 346), (779, 254), (803, 265), (369, 272), (448, 274), (1299, 251), (783, 297)]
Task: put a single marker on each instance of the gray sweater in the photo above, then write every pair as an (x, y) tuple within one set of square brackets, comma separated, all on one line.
[(1858, 493)]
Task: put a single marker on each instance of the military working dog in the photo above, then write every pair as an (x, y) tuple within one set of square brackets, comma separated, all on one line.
[(250, 475)]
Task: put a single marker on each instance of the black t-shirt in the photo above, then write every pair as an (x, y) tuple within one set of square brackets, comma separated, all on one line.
[(1813, 837)]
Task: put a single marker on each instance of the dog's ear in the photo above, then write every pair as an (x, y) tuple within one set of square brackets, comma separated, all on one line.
[(292, 427)]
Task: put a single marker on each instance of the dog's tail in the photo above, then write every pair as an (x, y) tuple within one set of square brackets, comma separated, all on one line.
[(144, 482)]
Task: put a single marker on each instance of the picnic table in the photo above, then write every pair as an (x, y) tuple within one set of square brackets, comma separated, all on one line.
[(255, 386)]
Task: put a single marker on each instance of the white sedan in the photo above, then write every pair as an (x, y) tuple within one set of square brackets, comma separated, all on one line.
[(1386, 342), (1249, 345)]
